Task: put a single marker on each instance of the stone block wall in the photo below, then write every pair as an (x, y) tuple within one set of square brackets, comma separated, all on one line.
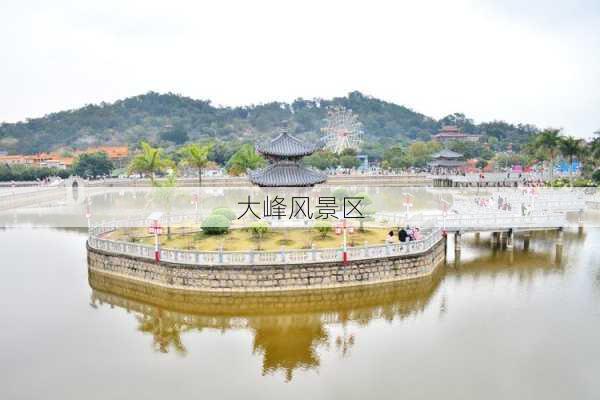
[(268, 277)]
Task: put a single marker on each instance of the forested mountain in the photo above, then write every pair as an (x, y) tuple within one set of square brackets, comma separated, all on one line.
[(171, 119)]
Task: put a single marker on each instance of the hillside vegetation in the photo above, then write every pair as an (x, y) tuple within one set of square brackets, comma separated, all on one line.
[(170, 119)]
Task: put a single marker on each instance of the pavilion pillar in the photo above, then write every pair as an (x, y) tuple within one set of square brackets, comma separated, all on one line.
[(477, 237), (580, 222)]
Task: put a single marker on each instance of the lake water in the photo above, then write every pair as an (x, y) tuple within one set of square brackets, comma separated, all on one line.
[(491, 326)]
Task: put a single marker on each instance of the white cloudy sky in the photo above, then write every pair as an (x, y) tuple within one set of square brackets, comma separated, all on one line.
[(522, 61)]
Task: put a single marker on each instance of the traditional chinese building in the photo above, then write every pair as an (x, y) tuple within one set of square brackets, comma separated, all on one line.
[(285, 168), (450, 133), (447, 161)]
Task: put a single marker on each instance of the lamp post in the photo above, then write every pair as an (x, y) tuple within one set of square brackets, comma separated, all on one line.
[(343, 226), (445, 206), (407, 204), (88, 214), (156, 229)]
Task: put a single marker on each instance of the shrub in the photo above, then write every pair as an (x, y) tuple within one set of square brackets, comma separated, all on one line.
[(226, 212), (596, 176), (259, 228), (323, 227), (215, 225)]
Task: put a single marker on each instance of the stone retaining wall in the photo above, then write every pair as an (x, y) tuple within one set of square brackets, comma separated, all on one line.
[(265, 277)]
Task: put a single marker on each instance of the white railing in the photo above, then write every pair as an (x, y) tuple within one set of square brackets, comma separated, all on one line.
[(474, 222), (215, 258)]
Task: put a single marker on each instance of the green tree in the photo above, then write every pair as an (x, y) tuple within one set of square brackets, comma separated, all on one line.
[(244, 159), (546, 145), (149, 162), (322, 160), (93, 165), (259, 229), (177, 135), (196, 156), (570, 148), (396, 157)]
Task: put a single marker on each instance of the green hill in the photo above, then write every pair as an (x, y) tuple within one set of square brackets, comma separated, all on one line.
[(173, 119)]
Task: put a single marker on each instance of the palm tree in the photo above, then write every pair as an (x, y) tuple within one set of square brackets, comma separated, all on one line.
[(548, 142), (570, 148), (196, 156), (244, 159), (149, 162)]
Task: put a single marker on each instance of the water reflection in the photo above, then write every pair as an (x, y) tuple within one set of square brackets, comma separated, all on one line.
[(291, 330), (288, 328)]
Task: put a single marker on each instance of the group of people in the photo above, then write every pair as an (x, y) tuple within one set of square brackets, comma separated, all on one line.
[(405, 235)]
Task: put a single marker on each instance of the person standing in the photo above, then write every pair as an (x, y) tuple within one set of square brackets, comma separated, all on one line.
[(402, 235)]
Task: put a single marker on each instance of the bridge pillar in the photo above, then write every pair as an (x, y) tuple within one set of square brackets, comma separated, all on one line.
[(457, 236), (509, 239), (477, 237), (494, 238), (526, 239), (580, 222), (559, 237)]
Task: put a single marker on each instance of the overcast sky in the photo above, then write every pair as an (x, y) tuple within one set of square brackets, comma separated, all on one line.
[(522, 61)]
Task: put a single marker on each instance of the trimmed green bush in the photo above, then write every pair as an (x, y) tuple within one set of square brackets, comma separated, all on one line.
[(215, 225), (226, 212)]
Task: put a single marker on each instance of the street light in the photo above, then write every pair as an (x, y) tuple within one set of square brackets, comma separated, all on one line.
[(445, 206), (156, 229), (408, 203), (343, 226)]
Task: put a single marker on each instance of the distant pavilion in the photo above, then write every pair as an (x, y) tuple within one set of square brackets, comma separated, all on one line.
[(285, 169), (447, 161), (450, 133)]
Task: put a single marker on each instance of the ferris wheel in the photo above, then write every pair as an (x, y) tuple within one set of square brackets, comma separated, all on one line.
[(342, 130)]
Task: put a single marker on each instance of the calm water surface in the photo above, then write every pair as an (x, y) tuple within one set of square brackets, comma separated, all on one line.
[(491, 326)]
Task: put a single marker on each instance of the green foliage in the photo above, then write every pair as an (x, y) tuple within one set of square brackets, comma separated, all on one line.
[(596, 177), (322, 160), (215, 224), (196, 156), (245, 158), (226, 212), (93, 165), (177, 135), (339, 194), (471, 150), (396, 157), (149, 162), (420, 152), (144, 118), (259, 228), (20, 173), (349, 161), (323, 227), (578, 182)]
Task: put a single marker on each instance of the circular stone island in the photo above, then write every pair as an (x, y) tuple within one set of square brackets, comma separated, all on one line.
[(242, 260)]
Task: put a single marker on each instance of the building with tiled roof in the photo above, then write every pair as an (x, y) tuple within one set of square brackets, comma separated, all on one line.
[(284, 154), (449, 133), (447, 161)]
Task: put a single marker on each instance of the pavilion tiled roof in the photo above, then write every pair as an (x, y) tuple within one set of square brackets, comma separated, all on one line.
[(286, 145), (289, 174), (448, 154)]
